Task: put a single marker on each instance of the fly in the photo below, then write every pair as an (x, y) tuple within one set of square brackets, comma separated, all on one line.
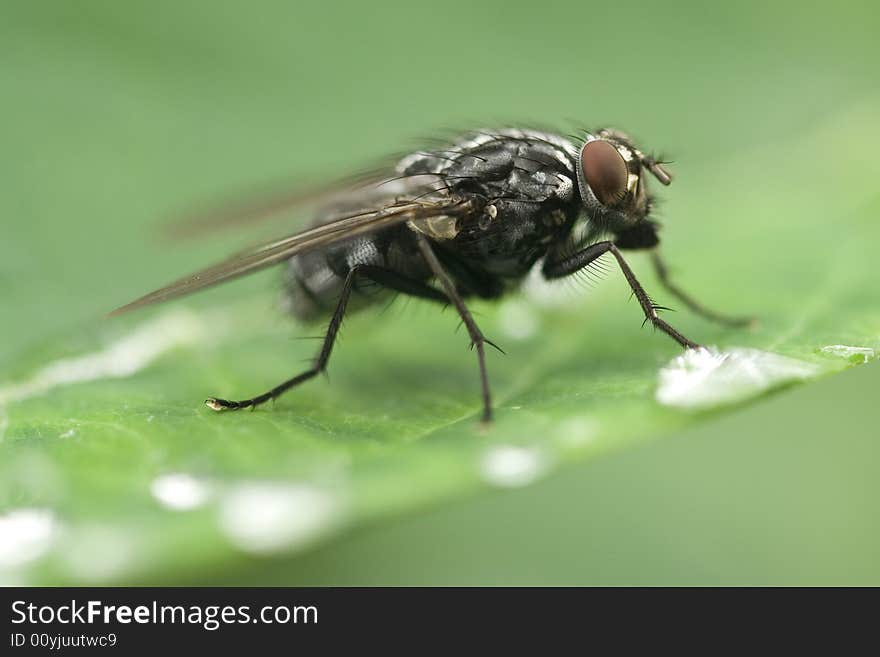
[(468, 219)]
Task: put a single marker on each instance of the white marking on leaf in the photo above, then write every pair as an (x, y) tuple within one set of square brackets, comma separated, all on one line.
[(263, 518), (854, 354), (180, 491), (25, 535), (120, 359), (511, 466), (703, 378)]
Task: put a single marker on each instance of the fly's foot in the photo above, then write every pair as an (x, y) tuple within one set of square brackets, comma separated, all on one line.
[(672, 333), (225, 405)]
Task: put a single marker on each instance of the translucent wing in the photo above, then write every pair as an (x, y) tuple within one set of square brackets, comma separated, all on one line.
[(340, 228), (270, 204)]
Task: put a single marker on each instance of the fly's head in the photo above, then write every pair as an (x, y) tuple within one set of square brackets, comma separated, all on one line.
[(612, 177)]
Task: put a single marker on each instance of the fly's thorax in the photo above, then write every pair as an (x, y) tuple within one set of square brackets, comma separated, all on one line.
[(528, 165), (521, 188), (512, 234)]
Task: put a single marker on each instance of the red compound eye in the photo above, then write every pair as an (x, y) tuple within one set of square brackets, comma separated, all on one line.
[(604, 171)]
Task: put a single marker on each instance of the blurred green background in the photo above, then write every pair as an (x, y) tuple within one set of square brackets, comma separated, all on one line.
[(118, 115)]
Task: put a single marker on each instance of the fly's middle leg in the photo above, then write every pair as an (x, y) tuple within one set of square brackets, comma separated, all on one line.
[(478, 340)]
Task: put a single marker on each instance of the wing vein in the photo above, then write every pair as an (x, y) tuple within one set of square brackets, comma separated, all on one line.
[(341, 228)]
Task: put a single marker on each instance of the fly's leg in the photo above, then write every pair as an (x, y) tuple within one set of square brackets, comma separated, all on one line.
[(478, 341), (581, 259), (690, 302), (378, 275)]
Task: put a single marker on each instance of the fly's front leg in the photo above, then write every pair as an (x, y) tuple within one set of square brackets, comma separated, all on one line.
[(690, 302), (571, 264), (478, 341)]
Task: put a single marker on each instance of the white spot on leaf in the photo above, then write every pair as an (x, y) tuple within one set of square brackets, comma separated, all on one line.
[(180, 492), (263, 518), (511, 466), (118, 360), (25, 535), (853, 354), (703, 378)]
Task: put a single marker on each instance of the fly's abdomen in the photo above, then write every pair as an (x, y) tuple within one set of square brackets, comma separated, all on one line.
[(313, 281), (310, 287)]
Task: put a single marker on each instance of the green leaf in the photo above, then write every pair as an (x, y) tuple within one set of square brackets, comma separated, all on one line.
[(112, 470)]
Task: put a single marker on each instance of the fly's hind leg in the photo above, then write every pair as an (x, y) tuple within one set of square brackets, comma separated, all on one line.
[(384, 277)]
